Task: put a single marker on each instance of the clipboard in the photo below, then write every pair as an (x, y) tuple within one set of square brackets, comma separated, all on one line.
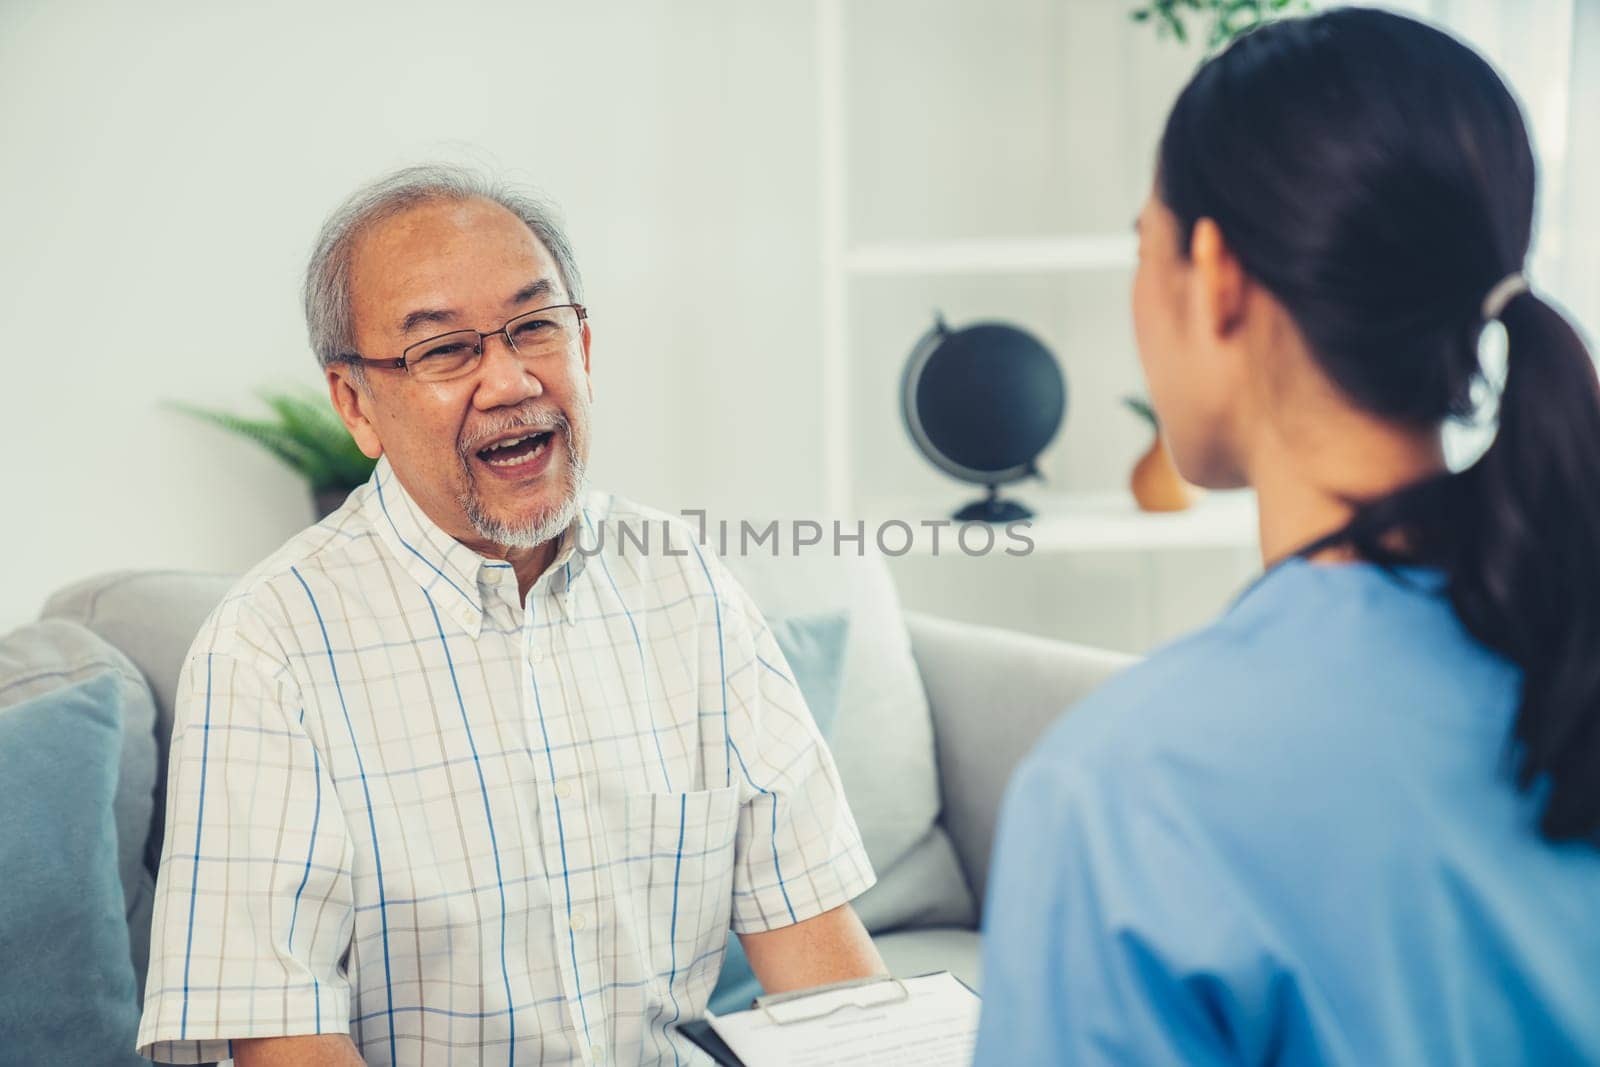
[(709, 1041), (699, 1031)]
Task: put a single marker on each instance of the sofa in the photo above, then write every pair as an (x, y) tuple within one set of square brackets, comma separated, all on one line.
[(933, 716)]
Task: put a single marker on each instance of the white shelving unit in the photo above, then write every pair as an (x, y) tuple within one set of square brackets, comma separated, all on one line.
[(1110, 522), (1098, 522), (1012, 256), (1101, 572), (1067, 522), (838, 479)]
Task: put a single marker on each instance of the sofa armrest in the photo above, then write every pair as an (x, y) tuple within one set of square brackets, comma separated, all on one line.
[(992, 693)]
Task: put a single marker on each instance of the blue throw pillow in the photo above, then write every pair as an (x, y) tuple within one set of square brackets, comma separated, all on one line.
[(67, 991), (814, 646)]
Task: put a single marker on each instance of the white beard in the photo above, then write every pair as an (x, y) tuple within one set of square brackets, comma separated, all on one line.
[(543, 526)]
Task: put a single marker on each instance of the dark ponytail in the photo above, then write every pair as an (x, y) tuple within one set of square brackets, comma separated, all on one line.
[(1526, 574), (1375, 175)]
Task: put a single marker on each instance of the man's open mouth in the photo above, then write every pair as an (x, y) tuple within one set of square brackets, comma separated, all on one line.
[(515, 450)]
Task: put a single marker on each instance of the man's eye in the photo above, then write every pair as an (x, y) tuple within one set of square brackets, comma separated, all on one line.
[(531, 329), (454, 350)]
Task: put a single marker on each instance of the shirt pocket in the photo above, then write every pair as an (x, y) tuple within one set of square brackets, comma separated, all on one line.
[(678, 852)]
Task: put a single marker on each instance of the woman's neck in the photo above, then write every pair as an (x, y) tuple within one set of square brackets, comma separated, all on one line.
[(1310, 485)]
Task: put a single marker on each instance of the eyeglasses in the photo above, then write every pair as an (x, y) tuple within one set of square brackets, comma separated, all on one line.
[(532, 334)]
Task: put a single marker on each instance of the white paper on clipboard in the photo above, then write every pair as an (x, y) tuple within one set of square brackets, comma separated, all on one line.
[(931, 1021)]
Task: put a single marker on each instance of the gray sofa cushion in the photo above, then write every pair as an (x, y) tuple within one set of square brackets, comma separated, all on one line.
[(993, 693), (913, 952), (53, 654), (153, 617)]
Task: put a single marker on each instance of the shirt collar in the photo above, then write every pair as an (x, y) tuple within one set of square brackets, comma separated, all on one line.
[(453, 575)]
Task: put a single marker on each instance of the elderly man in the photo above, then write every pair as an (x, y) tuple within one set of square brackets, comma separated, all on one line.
[(446, 784)]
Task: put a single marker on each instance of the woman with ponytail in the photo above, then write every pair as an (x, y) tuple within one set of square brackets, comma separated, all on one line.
[(1357, 819)]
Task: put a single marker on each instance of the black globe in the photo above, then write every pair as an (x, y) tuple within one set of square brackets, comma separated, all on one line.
[(981, 403)]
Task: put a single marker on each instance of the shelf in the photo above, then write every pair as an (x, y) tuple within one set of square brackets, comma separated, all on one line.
[(1092, 522), (1015, 256)]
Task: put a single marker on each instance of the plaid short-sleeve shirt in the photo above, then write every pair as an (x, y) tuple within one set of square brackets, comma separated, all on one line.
[(404, 805)]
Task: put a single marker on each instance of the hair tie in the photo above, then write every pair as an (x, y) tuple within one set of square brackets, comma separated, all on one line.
[(1505, 290)]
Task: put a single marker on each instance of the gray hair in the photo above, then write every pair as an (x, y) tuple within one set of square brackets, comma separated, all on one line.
[(327, 287)]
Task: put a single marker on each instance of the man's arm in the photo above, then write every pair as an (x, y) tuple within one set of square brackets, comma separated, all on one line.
[(832, 947), (798, 856), (311, 1050), (248, 788)]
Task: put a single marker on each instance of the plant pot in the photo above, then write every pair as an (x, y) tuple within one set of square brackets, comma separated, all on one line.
[(327, 501), (1156, 483)]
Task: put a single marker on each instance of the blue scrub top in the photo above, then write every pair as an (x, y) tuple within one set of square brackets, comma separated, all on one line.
[(1292, 838)]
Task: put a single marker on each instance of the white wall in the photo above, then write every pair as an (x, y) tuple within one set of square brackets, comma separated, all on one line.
[(166, 165)]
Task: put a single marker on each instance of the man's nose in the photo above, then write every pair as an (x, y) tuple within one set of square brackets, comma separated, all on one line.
[(503, 378)]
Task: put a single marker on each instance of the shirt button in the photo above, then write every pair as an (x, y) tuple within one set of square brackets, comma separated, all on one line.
[(598, 1052), (494, 575), (537, 655), (578, 921), (564, 790)]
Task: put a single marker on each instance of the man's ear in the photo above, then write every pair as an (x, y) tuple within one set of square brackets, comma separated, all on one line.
[(1220, 279), (588, 379), (352, 399)]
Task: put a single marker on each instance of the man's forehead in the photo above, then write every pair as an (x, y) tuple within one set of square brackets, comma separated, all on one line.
[(443, 251), (442, 229)]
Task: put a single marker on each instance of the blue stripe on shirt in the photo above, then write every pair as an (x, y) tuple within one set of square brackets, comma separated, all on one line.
[(372, 822), (777, 868), (311, 848), (677, 877), (722, 673), (494, 844), (413, 550), (644, 675), (730, 749), (199, 825), (561, 835)]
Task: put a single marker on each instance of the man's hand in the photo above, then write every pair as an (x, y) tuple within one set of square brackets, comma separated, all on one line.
[(833, 947), (310, 1050)]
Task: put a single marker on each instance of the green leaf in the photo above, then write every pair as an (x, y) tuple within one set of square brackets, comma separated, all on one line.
[(1142, 408), (305, 433), (1224, 20), (309, 417), (268, 435)]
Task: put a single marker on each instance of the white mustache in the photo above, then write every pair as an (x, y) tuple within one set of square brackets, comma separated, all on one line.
[(535, 421)]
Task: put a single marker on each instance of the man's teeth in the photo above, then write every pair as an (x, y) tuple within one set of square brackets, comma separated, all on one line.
[(488, 453)]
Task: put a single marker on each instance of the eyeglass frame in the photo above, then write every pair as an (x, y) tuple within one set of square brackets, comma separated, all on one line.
[(404, 361)]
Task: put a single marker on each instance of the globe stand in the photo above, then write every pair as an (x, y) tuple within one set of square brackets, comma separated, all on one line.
[(992, 509)]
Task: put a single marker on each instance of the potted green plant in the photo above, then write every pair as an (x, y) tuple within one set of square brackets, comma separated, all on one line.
[(305, 432), (1227, 18)]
